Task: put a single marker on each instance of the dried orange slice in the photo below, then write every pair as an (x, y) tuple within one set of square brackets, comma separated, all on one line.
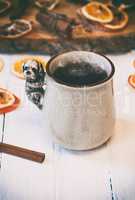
[(1, 64), (98, 12), (6, 98), (15, 29), (12, 107), (131, 80), (17, 68), (119, 21)]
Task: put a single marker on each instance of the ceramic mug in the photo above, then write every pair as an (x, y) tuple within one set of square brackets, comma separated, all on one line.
[(80, 118)]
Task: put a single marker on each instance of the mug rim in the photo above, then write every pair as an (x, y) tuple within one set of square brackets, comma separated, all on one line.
[(62, 83)]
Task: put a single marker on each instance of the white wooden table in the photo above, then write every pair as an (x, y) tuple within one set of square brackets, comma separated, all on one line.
[(107, 173)]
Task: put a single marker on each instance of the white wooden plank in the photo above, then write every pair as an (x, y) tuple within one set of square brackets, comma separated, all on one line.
[(122, 160), (124, 94), (66, 175), (121, 148), (3, 83), (82, 174), (69, 174), (4, 80), (6, 69), (1, 133), (23, 179)]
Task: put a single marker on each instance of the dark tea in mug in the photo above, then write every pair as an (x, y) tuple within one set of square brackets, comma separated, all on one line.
[(79, 74)]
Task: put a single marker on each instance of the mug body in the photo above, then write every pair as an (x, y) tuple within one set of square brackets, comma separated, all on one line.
[(80, 118)]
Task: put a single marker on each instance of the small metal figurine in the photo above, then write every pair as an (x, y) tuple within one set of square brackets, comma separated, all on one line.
[(35, 80)]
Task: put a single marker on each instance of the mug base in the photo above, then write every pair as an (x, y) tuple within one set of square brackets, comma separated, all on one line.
[(82, 148)]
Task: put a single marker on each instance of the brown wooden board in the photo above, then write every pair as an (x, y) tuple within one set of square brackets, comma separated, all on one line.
[(44, 42)]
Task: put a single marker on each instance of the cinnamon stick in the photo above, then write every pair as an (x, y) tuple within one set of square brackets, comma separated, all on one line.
[(21, 152)]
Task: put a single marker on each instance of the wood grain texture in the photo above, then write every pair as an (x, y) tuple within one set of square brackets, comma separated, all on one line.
[(22, 179), (41, 41), (66, 175), (106, 173)]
